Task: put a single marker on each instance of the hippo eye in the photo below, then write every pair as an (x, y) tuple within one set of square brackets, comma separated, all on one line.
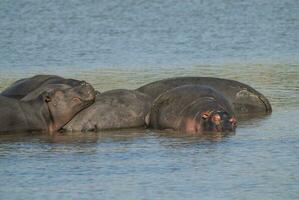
[(216, 117), (47, 99)]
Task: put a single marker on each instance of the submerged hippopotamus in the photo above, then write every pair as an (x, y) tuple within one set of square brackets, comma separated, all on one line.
[(242, 98), (192, 109), (112, 109), (48, 112), (22, 87)]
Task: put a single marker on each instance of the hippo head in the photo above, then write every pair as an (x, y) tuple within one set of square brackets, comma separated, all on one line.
[(217, 121), (63, 104), (208, 118)]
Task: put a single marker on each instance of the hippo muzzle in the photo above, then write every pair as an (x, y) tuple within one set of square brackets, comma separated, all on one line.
[(218, 121)]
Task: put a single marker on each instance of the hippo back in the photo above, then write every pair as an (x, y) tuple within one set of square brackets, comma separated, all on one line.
[(113, 109), (46, 88), (171, 106), (22, 87), (243, 98)]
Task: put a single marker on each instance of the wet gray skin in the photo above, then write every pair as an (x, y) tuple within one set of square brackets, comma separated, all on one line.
[(45, 88), (46, 113), (22, 87), (243, 99), (112, 109), (192, 109)]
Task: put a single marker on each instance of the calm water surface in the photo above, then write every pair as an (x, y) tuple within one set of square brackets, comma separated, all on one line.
[(124, 44)]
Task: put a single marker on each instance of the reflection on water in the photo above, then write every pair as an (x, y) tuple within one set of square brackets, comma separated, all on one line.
[(259, 157), (124, 44)]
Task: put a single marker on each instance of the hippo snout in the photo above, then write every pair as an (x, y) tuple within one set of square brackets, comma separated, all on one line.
[(219, 121), (225, 124)]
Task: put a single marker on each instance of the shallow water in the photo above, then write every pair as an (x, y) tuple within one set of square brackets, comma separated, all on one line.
[(124, 44)]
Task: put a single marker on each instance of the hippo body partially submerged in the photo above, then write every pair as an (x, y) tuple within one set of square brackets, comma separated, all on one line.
[(192, 109), (242, 98), (46, 113), (188, 104), (114, 109)]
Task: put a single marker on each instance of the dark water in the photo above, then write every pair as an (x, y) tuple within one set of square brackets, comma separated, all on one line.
[(124, 44)]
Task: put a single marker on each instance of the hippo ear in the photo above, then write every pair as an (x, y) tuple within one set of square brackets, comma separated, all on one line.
[(46, 97), (206, 115)]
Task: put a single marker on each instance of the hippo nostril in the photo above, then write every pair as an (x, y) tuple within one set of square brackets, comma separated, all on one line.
[(233, 121)]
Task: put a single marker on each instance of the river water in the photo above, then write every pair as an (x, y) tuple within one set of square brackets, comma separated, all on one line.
[(124, 44)]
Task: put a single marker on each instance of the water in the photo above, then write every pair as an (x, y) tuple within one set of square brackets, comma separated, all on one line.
[(124, 44)]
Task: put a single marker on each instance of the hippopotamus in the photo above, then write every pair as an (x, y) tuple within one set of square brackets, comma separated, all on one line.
[(112, 109), (192, 109), (50, 111), (22, 87), (243, 99)]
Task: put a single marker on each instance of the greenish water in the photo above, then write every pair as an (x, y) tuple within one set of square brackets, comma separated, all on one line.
[(124, 44)]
